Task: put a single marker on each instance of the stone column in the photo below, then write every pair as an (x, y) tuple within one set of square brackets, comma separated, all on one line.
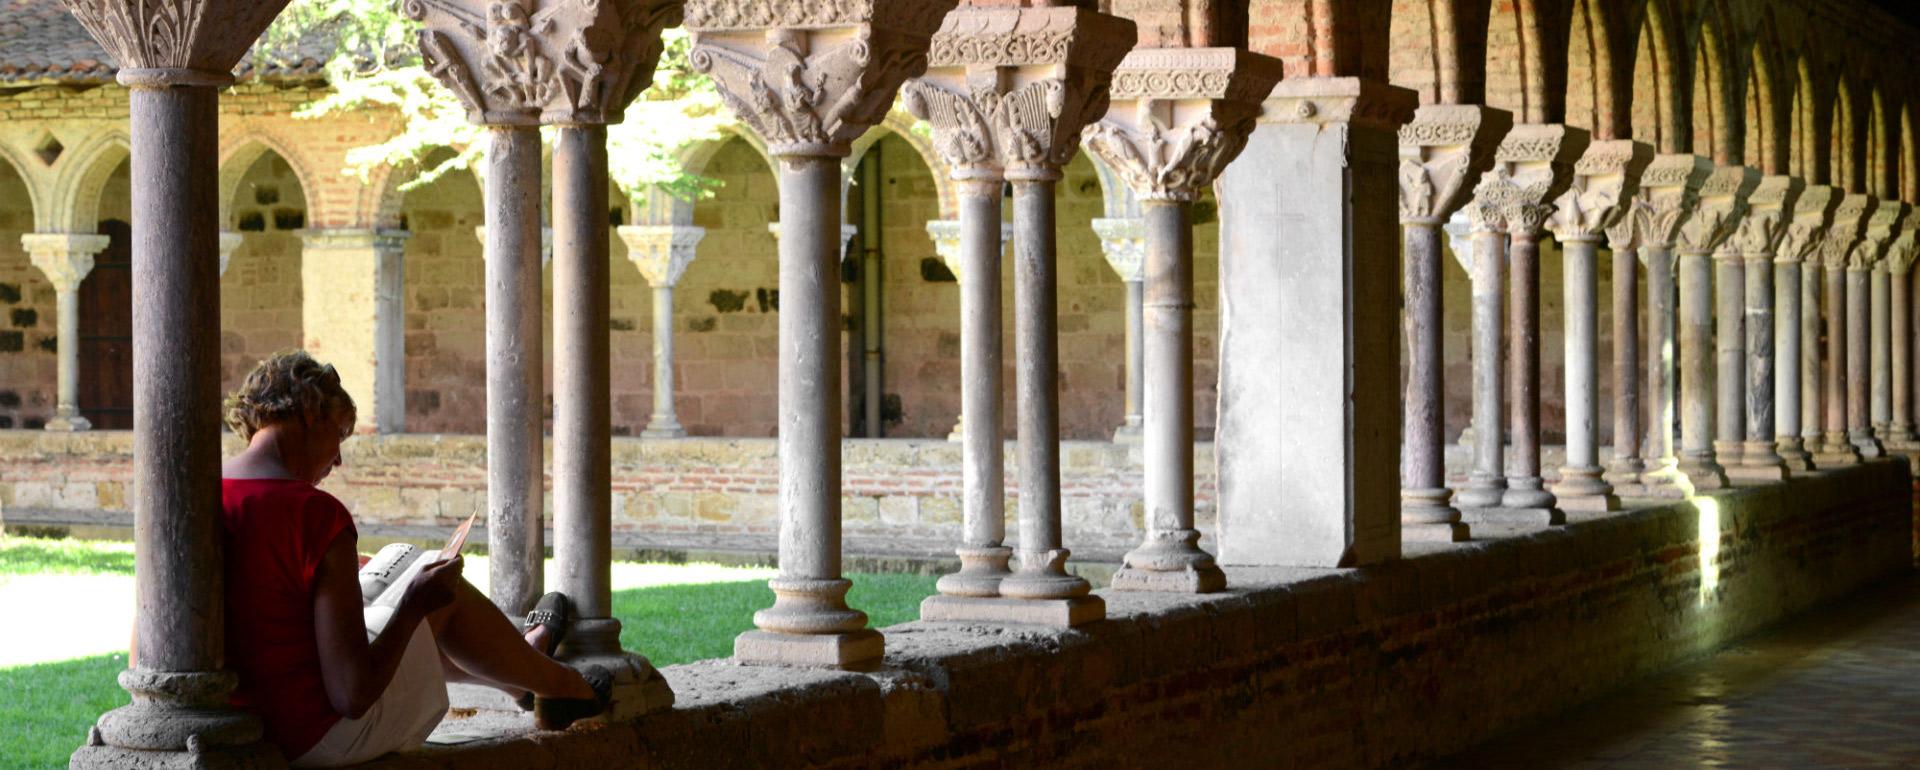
[(1440, 151), (1487, 481), (1669, 193), (851, 59), (945, 234), (1607, 175), (1849, 221), (1179, 116), (354, 317), (1721, 205), (662, 253), (1869, 260), (1303, 459), (1124, 243), (1900, 257), (1534, 166), (1797, 326), (173, 67), (516, 404), (1757, 240), (982, 94), (1624, 238), (65, 258)]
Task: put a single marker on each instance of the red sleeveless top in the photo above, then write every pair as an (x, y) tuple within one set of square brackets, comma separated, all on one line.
[(277, 531)]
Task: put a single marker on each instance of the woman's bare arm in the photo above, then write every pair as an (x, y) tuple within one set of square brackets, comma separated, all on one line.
[(354, 670)]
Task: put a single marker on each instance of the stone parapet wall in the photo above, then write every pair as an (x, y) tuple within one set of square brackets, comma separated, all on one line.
[(900, 496), (1376, 667)]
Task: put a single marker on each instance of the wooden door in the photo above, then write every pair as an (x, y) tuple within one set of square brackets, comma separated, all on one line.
[(106, 333)]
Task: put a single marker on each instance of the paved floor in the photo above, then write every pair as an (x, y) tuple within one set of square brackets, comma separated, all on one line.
[(1836, 689)]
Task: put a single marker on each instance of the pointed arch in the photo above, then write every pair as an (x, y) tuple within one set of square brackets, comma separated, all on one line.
[(35, 199), (1592, 78), (1715, 128), (660, 208), (1882, 169), (1845, 152), (904, 125), (238, 157), (1809, 128), (1656, 105), (1767, 102), (80, 178), (1420, 60), (1531, 38)]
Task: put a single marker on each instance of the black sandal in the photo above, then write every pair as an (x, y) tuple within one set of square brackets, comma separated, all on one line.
[(561, 713), (555, 612)]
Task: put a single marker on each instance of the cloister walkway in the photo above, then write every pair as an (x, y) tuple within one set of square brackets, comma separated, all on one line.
[(1839, 688)]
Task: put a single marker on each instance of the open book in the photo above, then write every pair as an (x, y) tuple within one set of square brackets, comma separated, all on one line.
[(385, 577)]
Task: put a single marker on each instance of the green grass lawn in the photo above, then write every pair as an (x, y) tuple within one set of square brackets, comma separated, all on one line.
[(671, 613)]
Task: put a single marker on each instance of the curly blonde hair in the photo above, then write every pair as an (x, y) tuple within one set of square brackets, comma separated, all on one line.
[(288, 386)]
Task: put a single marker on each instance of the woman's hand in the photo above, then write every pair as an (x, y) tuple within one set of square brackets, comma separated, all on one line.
[(433, 586)]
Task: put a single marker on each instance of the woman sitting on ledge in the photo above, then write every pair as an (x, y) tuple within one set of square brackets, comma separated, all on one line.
[(332, 685)]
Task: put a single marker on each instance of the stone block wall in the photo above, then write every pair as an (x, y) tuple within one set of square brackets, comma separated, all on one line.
[(260, 294), (28, 319)]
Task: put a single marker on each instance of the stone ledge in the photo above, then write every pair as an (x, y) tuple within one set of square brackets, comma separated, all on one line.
[(1296, 667)]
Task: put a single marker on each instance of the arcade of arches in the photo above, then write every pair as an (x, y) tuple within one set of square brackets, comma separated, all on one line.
[(1420, 367)]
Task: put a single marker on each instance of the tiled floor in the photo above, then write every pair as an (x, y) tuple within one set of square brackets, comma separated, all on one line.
[(1836, 689)]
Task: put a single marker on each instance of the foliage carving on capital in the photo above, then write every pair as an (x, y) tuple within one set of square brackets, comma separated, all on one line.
[(1442, 148), (1607, 174), (1629, 229), (1901, 253), (1486, 212), (1722, 204), (1172, 145), (207, 36), (1534, 165), (662, 252), (522, 63), (65, 258), (1769, 211), (811, 77), (1813, 211)]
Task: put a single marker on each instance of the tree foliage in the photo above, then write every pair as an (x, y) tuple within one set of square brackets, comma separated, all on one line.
[(375, 65)]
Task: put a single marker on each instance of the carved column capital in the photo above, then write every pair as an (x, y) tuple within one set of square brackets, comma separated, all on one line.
[(161, 43), (1849, 224), (1901, 253), (1445, 146), (1722, 204), (1008, 89), (1179, 116), (1813, 212), (661, 252), (810, 77), (1124, 242), (1881, 228), (1533, 165), (1769, 209), (65, 258), (945, 234), (528, 62), (1669, 192), (1606, 175)]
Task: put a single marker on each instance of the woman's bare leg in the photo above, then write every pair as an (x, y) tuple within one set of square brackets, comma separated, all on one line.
[(475, 636)]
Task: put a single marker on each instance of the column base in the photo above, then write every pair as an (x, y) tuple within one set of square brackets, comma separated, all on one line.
[(1204, 579), (258, 756), (1438, 532), (1526, 517), (1170, 561), (982, 568), (1703, 473), (1665, 482), (1059, 613), (1585, 489), (1480, 491), (68, 424), (1527, 492), (1624, 472), (1869, 446), (177, 719), (1044, 575), (1794, 455), (1729, 453), (638, 688), (1603, 503), (654, 430), (849, 650), (1837, 456), (1127, 434), (1900, 438)]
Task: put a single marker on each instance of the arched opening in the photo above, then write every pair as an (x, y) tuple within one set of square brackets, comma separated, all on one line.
[(1804, 158), (1843, 154), (1415, 59), (1590, 79), (1654, 108), (260, 291), (901, 301), (30, 324), (1712, 126), (444, 275), (106, 311), (726, 333)]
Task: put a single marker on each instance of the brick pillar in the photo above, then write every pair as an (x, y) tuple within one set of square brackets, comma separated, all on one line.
[(351, 282)]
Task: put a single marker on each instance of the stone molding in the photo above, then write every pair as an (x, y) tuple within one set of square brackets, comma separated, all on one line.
[(158, 43), (811, 77), (1881, 228), (1813, 212), (1123, 240), (945, 234), (1849, 224), (528, 62), (1758, 236), (1533, 165), (1444, 146), (1010, 88), (65, 258), (1669, 192), (661, 252), (1170, 144), (1606, 175), (1335, 101)]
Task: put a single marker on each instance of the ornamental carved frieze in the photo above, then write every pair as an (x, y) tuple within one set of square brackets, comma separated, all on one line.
[(1722, 204), (207, 36), (1881, 228), (1813, 212), (1486, 211), (662, 252), (1769, 211), (809, 76), (1444, 147), (1606, 175), (65, 258), (1536, 161), (529, 62), (1171, 145), (1669, 190), (1011, 88)]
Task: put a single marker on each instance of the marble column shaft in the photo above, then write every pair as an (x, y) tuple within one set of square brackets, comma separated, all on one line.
[(1730, 357), (1487, 481), (1880, 349), (515, 402), (983, 552), (1859, 426), (1626, 466), (1662, 364), (1713, 409), (1900, 355), (582, 398), (1525, 487), (1757, 242)]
